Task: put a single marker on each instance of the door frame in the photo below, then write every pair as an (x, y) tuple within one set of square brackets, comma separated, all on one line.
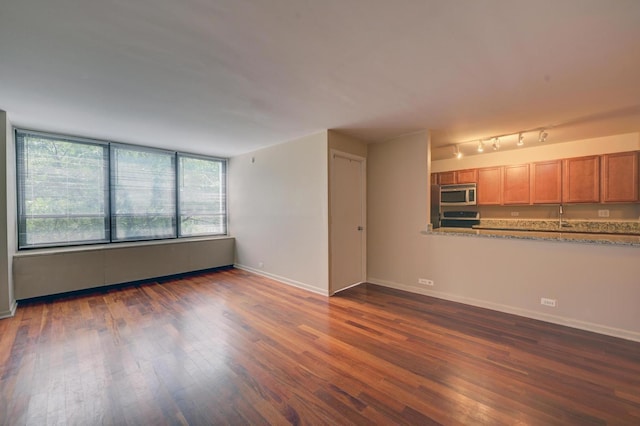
[(333, 153)]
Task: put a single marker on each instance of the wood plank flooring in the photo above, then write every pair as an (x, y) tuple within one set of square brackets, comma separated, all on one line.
[(229, 347)]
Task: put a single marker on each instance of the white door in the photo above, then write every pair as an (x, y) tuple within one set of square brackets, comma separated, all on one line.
[(347, 224)]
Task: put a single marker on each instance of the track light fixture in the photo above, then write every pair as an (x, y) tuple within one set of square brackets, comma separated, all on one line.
[(542, 137), (496, 142)]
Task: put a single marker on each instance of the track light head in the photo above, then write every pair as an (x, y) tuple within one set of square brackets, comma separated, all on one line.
[(520, 139), (496, 144), (457, 153), (480, 146), (542, 137)]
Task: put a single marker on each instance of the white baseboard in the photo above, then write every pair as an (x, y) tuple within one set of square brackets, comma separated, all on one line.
[(283, 280), (11, 312), (569, 322)]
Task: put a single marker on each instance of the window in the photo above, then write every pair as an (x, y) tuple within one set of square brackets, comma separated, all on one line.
[(144, 193), (62, 191), (74, 191), (202, 196)]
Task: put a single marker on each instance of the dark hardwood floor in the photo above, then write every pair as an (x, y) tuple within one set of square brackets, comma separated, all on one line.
[(229, 347)]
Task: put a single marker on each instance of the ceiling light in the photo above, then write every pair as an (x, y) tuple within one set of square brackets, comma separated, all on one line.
[(496, 144), (542, 137), (457, 152), (480, 146), (520, 139)]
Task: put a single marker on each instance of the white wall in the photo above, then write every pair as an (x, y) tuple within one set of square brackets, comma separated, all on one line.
[(397, 188), (278, 212), (597, 287), (8, 233)]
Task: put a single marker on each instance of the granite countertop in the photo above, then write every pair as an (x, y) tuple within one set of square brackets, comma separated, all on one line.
[(573, 236)]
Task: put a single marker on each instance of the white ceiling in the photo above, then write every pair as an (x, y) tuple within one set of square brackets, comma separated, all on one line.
[(224, 77)]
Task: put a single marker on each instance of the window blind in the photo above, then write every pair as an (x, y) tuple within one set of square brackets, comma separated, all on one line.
[(202, 206), (143, 191), (62, 190)]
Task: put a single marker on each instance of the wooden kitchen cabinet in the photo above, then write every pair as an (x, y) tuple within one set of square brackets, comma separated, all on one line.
[(467, 176), (581, 180), (457, 176), (546, 182), (620, 177), (489, 186), (516, 187), (434, 178), (447, 178)]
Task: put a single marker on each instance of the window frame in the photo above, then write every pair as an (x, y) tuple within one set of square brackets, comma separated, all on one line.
[(109, 190)]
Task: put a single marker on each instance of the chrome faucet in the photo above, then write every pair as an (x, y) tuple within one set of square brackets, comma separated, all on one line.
[(561, 223)]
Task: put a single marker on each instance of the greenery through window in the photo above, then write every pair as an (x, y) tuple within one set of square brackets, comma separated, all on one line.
[(144, 193), (202, 196), (74, 191)]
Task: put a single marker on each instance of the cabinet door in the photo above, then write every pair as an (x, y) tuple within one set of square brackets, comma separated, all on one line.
[(467, 176), (546, 182), (620, 177), (446, 178), (490, 186), (581, 180), (434, 178), (516, 188)]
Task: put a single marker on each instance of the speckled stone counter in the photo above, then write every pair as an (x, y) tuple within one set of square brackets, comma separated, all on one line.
[(572, 237), (568, 226)]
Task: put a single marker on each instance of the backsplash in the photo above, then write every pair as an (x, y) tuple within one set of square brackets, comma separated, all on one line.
[(567, 225), (628, 211)]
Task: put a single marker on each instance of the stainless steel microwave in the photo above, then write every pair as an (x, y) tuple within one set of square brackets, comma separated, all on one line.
[(458, 195)]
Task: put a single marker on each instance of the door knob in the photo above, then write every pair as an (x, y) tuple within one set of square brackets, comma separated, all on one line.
[(360, 228)]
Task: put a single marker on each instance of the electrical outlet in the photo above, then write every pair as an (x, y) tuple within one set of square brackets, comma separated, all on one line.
[(425, 281), (515, 214), (603, 213), (548, 302)]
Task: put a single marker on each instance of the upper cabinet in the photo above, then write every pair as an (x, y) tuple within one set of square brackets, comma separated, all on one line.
[(446, 178), (620, 177), (467, 176), (490, 186), (546, 182), (581, 180), (457, 176), (516, 187), (607, 178)]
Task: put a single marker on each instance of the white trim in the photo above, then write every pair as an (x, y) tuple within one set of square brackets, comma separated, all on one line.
[(555, 319), (283, 280), (11, 312)]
